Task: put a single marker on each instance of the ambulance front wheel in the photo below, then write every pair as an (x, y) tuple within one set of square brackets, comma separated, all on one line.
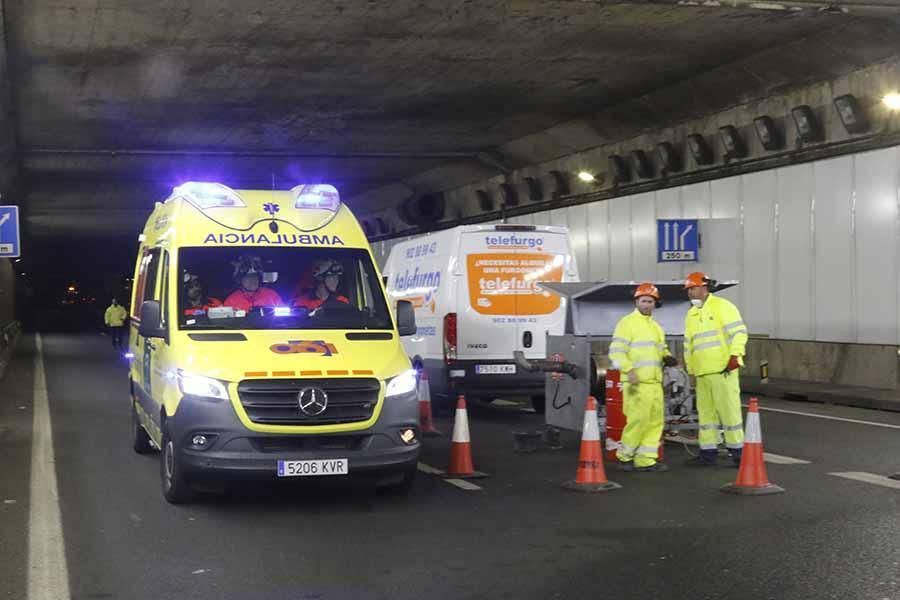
[(176, 486)]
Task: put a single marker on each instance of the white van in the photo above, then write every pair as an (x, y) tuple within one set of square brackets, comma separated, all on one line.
[(477, 300)]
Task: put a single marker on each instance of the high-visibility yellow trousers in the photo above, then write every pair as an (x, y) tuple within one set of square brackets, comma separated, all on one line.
[(643, 407), (719, 410)]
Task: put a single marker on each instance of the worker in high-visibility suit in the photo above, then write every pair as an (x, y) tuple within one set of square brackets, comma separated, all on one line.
[(715, 339), (638, 350), (114, 317)]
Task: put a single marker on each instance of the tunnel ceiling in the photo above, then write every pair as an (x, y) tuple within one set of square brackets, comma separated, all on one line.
[(115, 101)]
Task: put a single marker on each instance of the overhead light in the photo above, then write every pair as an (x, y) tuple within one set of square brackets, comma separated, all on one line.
[(558, 184), (509, 194), (851, 114), (619, 169), (892, 101), (732, 142), (699, 149), (641, 164), (768, 135), (586, 177), (668, 157), (807, 124), (534, 188), (485, 200)]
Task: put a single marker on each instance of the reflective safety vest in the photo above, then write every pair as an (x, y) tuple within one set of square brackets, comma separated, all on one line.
[(639, 343), (115, 316), (712, 334)]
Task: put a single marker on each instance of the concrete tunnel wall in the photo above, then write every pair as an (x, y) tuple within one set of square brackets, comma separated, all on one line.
[(7, 292), (815, 247)]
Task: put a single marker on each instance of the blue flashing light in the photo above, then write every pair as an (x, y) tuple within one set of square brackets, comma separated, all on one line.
[(129, 355), (321, 196), (205, 195), (282, 311)]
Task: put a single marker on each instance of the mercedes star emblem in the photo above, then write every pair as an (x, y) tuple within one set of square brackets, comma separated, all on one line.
[(312, 401)]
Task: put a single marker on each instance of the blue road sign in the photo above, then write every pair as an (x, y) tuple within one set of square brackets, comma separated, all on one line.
[(677, 240), (9, 232)]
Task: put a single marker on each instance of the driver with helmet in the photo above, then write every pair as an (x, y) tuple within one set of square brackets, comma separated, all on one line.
[(250, 293), (326, 275)]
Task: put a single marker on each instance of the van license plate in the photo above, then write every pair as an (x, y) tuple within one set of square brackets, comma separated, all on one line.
[(308, 468), (495, 369)]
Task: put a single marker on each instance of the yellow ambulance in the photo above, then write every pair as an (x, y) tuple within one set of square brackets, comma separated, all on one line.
[(262, 344)]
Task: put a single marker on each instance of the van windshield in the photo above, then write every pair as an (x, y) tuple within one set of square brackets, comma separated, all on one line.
[(279, 288)]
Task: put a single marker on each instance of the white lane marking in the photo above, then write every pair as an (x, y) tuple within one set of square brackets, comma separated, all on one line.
[(429, 469), (777, 459), (48, 575), (502, 402), (869, 478), (462, 484), (830, 418)]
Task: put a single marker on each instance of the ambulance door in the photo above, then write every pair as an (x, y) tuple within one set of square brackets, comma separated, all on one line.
[(161, 369), (142, 348)]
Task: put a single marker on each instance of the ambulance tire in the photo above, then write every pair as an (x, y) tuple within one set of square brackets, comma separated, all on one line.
[(539, 404), (175, 485), (404, 485), (140, 441)]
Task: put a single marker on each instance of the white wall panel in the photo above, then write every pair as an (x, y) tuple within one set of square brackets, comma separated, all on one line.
[(643, 237), (559, 217), (542, 218), (578, 228), (758, 308), (695, 200), (794, 260), (598, 241), (620, 268), (876, 245), (726, 259), (835, 317), (725, 198)]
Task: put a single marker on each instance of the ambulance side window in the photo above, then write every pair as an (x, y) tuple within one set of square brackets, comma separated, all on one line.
[(164, 290), (146, 283), (365, 288)]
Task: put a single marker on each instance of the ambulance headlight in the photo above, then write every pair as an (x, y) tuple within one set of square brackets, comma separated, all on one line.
[(205, 195), (404, 383), (197, 385), (321, 196)]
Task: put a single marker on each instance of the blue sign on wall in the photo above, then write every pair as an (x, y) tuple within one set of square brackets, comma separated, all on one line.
[(677, 240), (9, 232)]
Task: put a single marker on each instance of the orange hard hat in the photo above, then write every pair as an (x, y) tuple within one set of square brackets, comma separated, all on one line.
[(647, 289), (696, 279)]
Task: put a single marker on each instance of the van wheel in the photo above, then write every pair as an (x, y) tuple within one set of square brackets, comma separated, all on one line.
[(176, 486), (140, 441), (539, 404)]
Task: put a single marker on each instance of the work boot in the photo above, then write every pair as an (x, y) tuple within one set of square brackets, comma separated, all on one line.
[(735, 458), (654, 468), (706, 458), (626, 465)]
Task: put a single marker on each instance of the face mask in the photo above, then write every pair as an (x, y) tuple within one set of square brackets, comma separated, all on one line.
[(696, 302)]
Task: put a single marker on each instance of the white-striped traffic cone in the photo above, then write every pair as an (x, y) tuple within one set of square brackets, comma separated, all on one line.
[(590, 476), (461, 466), (752, 479), (425, 419)]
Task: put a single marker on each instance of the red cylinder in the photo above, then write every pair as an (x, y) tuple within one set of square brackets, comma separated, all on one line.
[(615, 413)]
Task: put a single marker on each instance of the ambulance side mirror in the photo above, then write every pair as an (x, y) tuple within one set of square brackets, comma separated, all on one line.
[(151, 323), (406, 318)]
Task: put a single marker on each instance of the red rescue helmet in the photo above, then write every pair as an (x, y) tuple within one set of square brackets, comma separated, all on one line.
[(647, 289), (696, 279)]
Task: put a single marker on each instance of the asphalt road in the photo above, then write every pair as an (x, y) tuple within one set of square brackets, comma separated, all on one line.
[(519, 536)]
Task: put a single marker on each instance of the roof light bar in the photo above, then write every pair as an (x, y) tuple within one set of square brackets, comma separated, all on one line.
[(320, 196), (205, 195)]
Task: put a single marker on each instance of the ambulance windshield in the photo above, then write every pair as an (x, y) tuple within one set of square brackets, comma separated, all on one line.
[(279, 288)]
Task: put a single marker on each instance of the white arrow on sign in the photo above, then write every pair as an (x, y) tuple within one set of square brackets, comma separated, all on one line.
[(684, 235), (4, 218), (666, 227)]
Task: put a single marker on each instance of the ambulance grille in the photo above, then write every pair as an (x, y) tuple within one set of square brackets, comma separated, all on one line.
[(275, 401)]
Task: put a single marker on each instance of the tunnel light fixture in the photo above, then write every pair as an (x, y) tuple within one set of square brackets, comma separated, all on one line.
[(586, 177), (205, 195), (851, 113), (641, 164), (699, 149), (668, 157), (892, 101), (768, 134), (618, 168), (320, 196), (808, 128), (732, 142)]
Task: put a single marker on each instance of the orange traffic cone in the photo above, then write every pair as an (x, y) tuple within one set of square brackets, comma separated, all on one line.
[(461, 466), (426, 424), (751, 478), (590, 476)]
